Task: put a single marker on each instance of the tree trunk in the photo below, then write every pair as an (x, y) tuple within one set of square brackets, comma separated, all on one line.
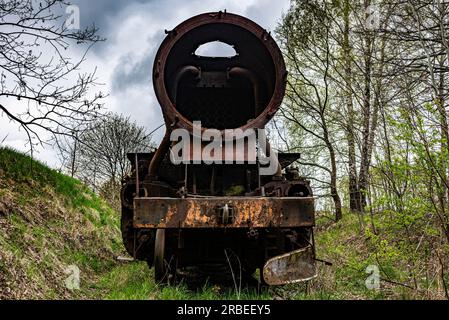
[(352, 169), (334, 191), (72, 169), (366, 112), (440, 101)]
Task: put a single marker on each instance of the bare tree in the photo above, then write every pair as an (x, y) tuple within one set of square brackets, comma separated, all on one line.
[(98, 155), (41, 88), (305, 39)]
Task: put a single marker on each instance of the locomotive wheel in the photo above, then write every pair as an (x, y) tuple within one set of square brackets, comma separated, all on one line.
[(164, 264), (160, 270)]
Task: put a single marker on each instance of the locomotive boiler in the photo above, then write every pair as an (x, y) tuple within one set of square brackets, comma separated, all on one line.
[(226, 214)]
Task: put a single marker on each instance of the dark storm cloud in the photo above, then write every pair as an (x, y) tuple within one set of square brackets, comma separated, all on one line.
[(105, 15), (131, 71), (101, 12)]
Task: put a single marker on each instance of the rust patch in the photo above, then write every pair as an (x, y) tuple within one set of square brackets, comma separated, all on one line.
[(292, 267), (247, 212)]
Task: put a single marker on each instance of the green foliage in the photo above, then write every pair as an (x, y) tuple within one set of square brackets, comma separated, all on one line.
[(48, 230)]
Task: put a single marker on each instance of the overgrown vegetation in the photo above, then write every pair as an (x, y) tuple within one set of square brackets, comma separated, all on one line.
[(350, 246), (49, 221), (354, 246), (366, 106)]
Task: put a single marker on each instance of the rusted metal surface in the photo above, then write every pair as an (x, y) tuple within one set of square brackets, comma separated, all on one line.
[(159, 155), (201, 208), (257, 52), (292, 267), (242, 212), (245, 152)]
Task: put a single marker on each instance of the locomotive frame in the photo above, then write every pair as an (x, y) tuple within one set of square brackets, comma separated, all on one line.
[(192, 214)]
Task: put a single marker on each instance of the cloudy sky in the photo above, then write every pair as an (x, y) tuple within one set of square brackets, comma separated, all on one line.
[(134, 30)]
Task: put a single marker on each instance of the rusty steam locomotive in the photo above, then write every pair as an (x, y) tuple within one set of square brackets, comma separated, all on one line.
[(176, 215)]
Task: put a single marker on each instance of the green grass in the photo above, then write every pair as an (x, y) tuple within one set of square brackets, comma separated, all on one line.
[(352, 246), (135, 280), (32, 177), (49, 221)]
